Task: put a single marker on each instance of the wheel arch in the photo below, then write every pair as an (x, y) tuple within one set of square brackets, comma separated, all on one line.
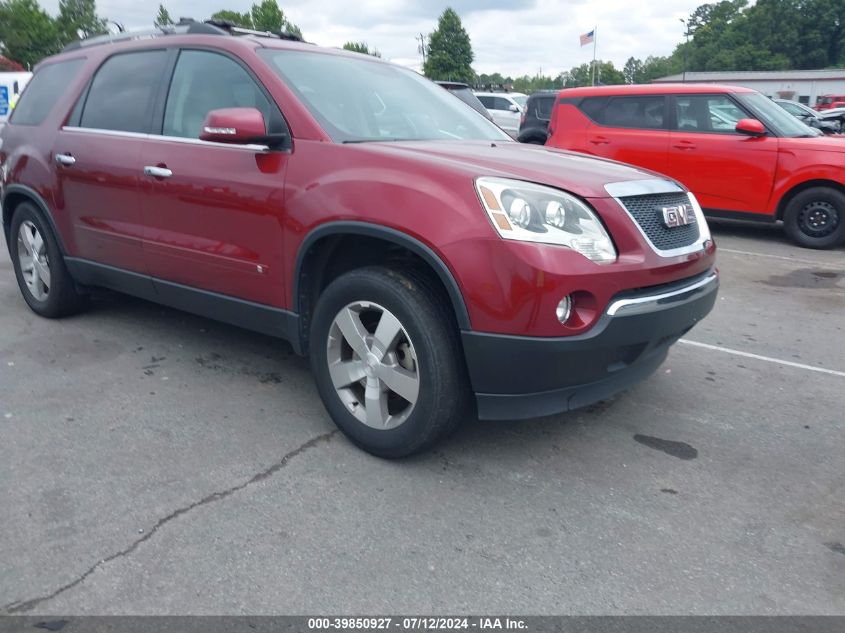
[(323, 243), (13, 196), (786, 198)]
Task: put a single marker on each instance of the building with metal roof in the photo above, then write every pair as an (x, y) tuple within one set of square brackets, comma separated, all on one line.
[(804, 86)]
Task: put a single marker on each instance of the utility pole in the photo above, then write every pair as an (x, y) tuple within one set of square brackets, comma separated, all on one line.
[(421, 46), (686, 48)]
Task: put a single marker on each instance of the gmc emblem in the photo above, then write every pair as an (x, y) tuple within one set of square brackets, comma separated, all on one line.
[(679, 215)]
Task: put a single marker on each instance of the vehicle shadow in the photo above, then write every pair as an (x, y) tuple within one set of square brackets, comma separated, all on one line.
[(229, 353), (721, 227)]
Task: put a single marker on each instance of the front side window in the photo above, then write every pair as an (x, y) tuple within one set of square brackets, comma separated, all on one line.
[(359, 100), (43, 90), (708, 113), (642, 112), (123, 92), (204, 81), (500, 103)]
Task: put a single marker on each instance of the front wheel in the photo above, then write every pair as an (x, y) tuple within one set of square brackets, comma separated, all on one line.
[(387, 360), (815, 218)]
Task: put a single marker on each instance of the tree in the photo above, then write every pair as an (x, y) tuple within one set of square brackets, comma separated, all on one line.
[(27, 33), (163, 17), (449, 50), (78, 19), (243, 20), (267, 16), (633, 71), (361, 47)]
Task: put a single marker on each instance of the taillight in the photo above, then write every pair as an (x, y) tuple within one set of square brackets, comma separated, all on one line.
[(522, 119)]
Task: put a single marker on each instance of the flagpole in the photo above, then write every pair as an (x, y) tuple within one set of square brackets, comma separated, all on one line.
[(595, 40)]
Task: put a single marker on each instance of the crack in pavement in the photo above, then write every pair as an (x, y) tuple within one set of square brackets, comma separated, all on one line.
[(28, 605)]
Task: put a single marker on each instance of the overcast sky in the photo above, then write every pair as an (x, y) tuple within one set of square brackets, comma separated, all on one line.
[(514, 37)]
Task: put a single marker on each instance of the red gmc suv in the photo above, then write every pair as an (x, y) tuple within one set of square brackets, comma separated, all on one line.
[(740, 154), (430, 266)]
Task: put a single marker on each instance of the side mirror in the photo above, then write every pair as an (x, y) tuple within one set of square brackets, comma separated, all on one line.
[(239, 126), (514, 108), (750, 127)]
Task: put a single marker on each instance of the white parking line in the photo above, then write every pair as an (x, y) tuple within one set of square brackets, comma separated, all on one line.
[(786, 259), (768, 359)]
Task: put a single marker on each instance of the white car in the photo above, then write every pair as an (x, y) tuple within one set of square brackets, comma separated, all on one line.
[(11, 86), (505, 107)]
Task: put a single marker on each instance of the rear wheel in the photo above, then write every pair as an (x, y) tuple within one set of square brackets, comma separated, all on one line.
[(386, 356), (815, 218), (42, 276)]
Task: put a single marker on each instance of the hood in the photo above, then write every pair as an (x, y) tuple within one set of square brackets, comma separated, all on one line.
[(580, 174)]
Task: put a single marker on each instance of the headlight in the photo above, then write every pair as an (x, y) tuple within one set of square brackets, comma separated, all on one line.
[(533, 213)]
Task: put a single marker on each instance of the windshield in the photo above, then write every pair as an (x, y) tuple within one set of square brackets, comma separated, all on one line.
[(825, 100), (358, 100), (773, 116), (521, 101)]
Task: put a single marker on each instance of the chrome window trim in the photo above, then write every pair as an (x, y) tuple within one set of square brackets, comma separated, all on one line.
[(653, 303), (621, 190), (160, 137)]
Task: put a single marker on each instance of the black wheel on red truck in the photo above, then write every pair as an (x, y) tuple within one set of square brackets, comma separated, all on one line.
[(815, 218), (386, 356)]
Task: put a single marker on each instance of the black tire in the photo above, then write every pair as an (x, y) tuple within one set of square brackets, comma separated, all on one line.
[(815, 218), (424, 312), (62, 298)]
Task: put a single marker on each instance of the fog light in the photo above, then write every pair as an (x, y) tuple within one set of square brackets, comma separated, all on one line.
[(564, 309)]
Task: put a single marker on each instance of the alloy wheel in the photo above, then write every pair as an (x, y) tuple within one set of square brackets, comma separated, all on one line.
[(373, 365), (34, 261)]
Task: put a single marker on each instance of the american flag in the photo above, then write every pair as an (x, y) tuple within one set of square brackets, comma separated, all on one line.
[(587, 38)]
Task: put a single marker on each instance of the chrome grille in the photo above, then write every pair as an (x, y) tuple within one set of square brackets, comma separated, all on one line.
[(647, 212)]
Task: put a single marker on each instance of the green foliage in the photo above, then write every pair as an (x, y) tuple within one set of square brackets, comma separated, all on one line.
[(243, 20), (449, 51), (361, 47), (78, 19), (267, 16), (27, 33), (163, 18)]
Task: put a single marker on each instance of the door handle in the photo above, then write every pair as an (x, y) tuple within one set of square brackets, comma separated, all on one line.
[(600, 140), (66, 160), (157, 172), (685, 145)]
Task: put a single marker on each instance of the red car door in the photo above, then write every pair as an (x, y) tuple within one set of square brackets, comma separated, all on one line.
[(213, 213), (726, 170), (631, 129), (98, 160)]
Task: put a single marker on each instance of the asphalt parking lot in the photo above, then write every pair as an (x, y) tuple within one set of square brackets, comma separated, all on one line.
[(153, 462)]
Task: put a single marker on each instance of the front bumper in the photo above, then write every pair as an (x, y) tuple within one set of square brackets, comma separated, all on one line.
[(516, 377)]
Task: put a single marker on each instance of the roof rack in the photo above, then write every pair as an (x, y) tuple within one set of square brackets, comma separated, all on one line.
[(185, 26)]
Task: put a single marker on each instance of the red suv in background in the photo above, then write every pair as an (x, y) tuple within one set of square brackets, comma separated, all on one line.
[(828, 102), (739, 153), (428, 264)]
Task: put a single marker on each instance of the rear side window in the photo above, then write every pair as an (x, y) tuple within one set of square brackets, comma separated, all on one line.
[(488, 101), (635, 112), (543, 108), (44, 90), (123, 92)]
